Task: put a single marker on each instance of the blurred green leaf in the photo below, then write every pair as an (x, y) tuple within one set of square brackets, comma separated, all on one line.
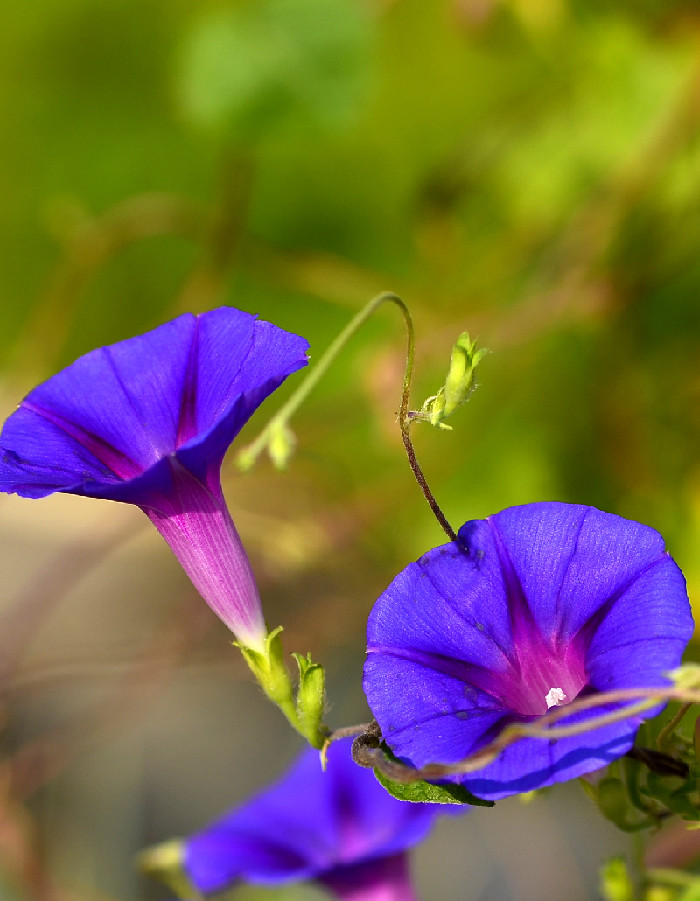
[(275, 64), (420, 792)]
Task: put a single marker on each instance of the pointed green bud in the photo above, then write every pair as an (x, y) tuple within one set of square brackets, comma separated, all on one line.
[(311, 699), (459, 385), (461, 379), (615, 883), (281, 444), (269, 668), (166, 863)]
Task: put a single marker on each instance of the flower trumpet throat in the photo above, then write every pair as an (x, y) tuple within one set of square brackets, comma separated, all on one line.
[(527, 611), (147, 421)]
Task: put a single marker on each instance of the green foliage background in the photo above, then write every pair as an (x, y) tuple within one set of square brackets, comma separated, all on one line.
[(528, 170)]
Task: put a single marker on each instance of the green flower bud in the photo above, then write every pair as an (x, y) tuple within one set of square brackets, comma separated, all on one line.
[(459, 385), (311, 696), (461, 379)]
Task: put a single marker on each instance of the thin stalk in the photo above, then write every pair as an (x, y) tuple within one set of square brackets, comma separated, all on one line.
[(279, 422), (670, 726), (544, 729)]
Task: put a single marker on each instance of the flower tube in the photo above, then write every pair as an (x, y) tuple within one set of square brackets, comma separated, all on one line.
[(529, 609), (147, 421)]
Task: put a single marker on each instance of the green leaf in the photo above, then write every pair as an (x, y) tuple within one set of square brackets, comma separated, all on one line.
[(420, 792)]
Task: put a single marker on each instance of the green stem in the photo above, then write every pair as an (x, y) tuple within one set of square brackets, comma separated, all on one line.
[(405, 426), (672, 877), (248, 455), (670, 726), (639, 844)]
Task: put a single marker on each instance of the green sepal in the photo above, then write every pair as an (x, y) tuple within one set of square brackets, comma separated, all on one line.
[(269, 668), (436, 410), (420, 792), (303, 712), (166, 863), (311, 698)]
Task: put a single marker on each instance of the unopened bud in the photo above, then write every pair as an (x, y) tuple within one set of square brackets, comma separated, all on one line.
[(281, 445), (459, 385), (461, 379), (311, 696)]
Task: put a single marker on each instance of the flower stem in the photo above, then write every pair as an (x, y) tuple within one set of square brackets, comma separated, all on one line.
[(278, 424), (670, 726)]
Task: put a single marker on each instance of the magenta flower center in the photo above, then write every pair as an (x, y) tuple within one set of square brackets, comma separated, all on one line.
[(545, 676)]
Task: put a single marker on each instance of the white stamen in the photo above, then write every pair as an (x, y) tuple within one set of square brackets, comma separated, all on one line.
[(555, 697)]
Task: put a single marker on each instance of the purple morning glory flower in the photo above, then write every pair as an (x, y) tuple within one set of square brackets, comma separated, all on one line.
[(529, 609), (148, 421), (338, 828)]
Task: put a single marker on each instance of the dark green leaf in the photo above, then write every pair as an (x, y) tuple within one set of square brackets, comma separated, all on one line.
[(420, 792)]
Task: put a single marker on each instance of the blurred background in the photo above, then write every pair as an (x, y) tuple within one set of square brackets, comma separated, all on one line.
[(528, 170)]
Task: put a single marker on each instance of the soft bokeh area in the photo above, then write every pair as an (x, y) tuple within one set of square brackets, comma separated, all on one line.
[(528, 170)]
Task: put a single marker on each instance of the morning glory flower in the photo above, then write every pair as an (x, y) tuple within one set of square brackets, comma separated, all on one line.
[(147, 421), (338, 828), (528, 610)]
